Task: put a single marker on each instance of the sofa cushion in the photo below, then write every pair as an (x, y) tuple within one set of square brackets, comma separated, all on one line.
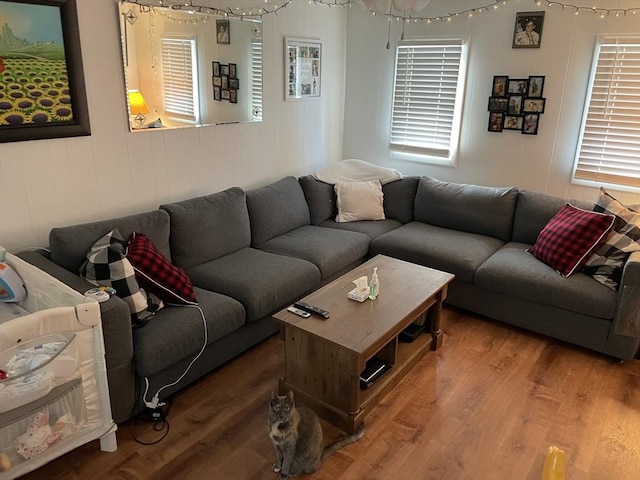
[(399, 198), (468, 208), (263, 282), (208, 227), (514, 272), (69, 245), (329, 249), (569, 238), (359, 201), (533, 212), (276, 209), (321, 199), (460, 253), (107, 265), (177, 332), (156, 274), (605, 264)]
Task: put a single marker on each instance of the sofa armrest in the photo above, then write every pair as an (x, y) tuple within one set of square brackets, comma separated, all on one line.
[(627, 319), (116, 317)]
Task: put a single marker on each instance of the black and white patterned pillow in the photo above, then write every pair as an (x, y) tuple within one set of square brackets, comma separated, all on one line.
[(606, 263), (106, 265)]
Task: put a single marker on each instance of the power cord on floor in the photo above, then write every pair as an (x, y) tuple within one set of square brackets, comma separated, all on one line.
[(154, 417)]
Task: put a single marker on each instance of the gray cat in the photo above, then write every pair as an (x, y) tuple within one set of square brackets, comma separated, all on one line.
[(296, 434)]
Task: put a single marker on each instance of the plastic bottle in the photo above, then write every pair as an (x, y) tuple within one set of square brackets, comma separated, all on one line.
[(374, 286)]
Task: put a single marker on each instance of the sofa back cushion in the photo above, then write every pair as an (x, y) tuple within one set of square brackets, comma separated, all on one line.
[(208, 227), (321, 199), (533, 212), (69, 245), (276, 209), (399, 197), (468, 208)]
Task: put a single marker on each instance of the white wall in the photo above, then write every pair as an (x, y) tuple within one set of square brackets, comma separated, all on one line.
[(47, 183), (543, 162)]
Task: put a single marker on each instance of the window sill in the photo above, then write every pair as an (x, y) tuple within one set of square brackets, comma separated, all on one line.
[(423, 158)]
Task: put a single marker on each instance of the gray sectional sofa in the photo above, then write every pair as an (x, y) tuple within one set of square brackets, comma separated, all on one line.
[(251, 253)]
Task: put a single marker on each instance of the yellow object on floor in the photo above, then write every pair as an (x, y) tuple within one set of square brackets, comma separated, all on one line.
[(555, 465)]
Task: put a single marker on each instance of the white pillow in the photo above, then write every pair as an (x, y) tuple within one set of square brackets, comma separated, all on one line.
[(359, 201)]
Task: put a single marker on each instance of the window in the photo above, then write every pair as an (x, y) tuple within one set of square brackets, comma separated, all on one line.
[(256, 79), (609, 146), (427, 98), (180, 78)]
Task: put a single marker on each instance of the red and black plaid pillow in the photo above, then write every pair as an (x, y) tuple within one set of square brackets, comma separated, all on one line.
[(156, 274), (569, 238)]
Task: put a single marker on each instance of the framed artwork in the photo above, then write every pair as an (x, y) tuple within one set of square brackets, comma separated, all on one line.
[(512, 122), (223, 34), (216, 69), (499, 88), (234, 83), (302, 68), (530, 124), (217, 81), (44, 94), (527, 32), (496, 120), (233, 95), (216, 93), (224, 69), (232, 70), (515, 105), (533, 105), (498, 104), (518, 86), (536, 84), (225, 94), (224, 82)]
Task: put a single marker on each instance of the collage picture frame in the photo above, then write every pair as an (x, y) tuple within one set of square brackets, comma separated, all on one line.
[(303, 68), (225, 81), (516, 104)]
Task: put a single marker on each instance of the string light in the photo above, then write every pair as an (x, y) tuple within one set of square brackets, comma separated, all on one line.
[(269, 8)]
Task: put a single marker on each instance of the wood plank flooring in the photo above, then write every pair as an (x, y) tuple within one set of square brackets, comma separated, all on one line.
[(487, 405)]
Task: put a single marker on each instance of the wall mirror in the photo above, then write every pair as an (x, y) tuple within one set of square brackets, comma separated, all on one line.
[(187, 69)]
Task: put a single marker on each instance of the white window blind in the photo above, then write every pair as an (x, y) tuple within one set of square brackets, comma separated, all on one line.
[(427, 97), (180, 78), (609, 146), (256, 79)]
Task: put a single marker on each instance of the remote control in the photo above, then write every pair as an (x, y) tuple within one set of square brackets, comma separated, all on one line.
[(298, 311), (311, 309)]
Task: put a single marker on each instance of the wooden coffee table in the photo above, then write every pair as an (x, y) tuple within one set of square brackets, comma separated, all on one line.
[(324, 358)]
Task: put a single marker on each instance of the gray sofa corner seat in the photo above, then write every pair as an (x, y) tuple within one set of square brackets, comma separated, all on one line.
[(481, 234)]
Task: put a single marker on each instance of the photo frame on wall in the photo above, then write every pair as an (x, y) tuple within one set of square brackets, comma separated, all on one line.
[(512, 106), (302, 68), (496, 120), (533, 105), (530, 124), (512, 122), (223, 33), (527, 32), (499, 88), (536, 85), (60, 108), (498, 104)]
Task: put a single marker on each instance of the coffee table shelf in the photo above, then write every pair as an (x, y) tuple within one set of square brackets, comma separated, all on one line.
[(324, 358)]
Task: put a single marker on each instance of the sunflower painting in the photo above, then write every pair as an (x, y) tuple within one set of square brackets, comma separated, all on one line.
[(35, 86)]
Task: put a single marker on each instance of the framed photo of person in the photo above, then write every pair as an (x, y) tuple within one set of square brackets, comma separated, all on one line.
[(536, 84), (216, 69), (533, 105), (499, 86), (496, 120), (527, 32), (233, 95), (223, 34), (233, 70), (498, 104), (216, 93), (518, 86), (530, 124), (234, 83), (513, 122), (515, 105)]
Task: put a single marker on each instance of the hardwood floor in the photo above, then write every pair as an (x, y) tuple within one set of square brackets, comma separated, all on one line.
[(486, 405)]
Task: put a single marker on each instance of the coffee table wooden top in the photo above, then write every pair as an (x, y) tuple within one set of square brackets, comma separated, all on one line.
[(406, 291)]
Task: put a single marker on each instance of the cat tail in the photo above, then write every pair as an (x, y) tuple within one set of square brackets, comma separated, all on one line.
[(343, 442)]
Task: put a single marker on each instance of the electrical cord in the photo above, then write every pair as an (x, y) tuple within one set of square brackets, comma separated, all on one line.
[(158, 420)]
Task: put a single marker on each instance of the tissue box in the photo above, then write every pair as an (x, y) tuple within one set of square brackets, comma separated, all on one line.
[(358, 296)]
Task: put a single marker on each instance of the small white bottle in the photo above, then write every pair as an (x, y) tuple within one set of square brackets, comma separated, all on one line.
[(374, 286)]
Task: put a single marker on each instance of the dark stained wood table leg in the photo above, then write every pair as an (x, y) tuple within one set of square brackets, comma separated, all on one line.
[(434, 316)]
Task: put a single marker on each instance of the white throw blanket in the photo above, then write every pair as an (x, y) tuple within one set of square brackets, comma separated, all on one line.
[(352, 170)]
